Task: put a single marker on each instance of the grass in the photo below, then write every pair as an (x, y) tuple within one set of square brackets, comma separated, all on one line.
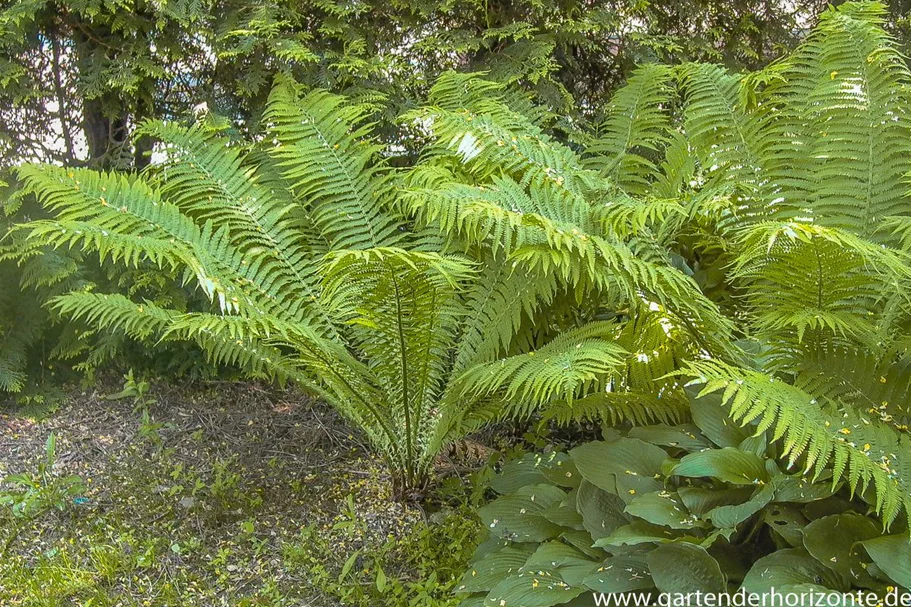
[(220, 494)]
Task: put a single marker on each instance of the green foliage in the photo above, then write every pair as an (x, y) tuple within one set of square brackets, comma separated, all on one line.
[(418, 568), (690, 508), (313, 275), (789, 214), (505, 274), (30, 494)]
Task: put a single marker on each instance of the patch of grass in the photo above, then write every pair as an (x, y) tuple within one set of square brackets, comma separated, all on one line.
[(417, 569)]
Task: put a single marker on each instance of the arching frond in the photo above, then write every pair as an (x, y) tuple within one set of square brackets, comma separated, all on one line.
[(575, 362), (326, 154), (635, 130), (858, 448)]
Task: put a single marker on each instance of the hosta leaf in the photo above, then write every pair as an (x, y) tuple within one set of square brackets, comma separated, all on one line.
[(562, 471), (729, 516), (474, 601), (533, 469), (625, 466), (787, 522), (621, 573), (620, 456), (662, 508), (571, 565), (835, 540), (602, 512), (798, 489), (518, 516), (582, 540), (700, 500), (728, 465), (565, 513), (711, 417), (681, 567), (486, 572), (790, 567), (638, 532), (892, 554), (686, 437), (533, 589)]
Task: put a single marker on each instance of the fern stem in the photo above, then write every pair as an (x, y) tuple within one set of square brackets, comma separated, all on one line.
[(409, 448)]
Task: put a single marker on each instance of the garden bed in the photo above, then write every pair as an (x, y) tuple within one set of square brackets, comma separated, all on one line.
[(211, 494)]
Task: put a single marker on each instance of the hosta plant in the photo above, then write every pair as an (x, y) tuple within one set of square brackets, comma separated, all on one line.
[(700, 507)]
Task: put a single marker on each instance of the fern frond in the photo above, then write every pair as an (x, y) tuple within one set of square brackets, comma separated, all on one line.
[(577, 361), (326, 154), (635, 130), (841, 124), (806, 277), (487, 138), (875, 382), (614, 408), (857, 447), (205, 177), (727, 140), (500, 297)]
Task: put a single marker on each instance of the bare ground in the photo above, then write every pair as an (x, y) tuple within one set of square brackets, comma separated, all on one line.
[(214, 484)]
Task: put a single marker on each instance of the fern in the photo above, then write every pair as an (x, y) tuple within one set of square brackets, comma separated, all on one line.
[(783, 192), (313, 274), (635, 130), (858, 448)]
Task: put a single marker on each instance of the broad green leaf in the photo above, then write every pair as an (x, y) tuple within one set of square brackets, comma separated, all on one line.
[(527, 470), (538, 589), (756, 445), (789, 567), (571, 565), (621, 573), (729, 516), (686, 437), (475, 601), (638, 532), (728, 465), (489, 570), (562, 471), (662, 508), (700, 500), (518, 516), (602, 512), (835, 542), (681, 567), (598, 460), (798, 489), (711, 417), (380, 579), (892, 554), (565, 513), (786, 521), (582, 540)]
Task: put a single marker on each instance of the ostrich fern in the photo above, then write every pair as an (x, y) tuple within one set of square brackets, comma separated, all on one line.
[(315, 276), (495, 185)]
